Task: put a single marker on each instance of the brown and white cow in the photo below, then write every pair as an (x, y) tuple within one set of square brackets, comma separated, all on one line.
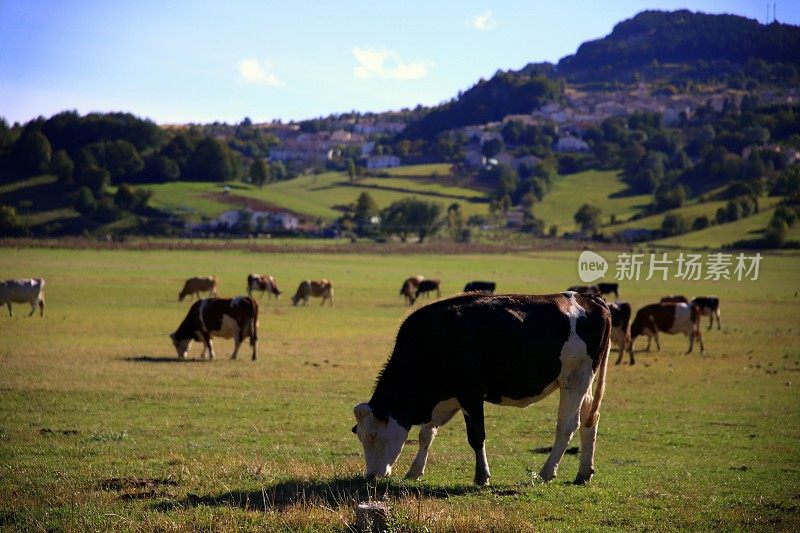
[(455, 354), (669, 318), (621, 328), (194, 286), (585, 289), (235, 318), (318, 288), (23, 291), (409, 288), (429, 285), (257, 282)]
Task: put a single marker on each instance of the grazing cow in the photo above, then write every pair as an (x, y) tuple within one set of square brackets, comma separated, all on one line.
[(454, 354), (427, 285), (23, 291), (195, 286), (480, 286), (235, 318), (709, 306), (674, 299), (256, 282), (621, 328), (585, 289), (317, 288), (670, 318), (608, 288), (409, 288)]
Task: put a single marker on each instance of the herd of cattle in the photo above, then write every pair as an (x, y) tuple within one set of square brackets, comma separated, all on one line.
[(457, 353)]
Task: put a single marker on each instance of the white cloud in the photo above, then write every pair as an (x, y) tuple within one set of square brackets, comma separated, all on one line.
[(258, 73), (386, 65), (484, 22)]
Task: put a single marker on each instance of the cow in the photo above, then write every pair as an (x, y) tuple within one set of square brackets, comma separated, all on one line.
[(670, 318), (409, 288), (427, 285), (23, 291), (480, 286), (585, 289), (454, 354), (308, 288), (235, 318), (709, 306), (608, 288), (194, 286), (257, 282), (621, 328), (674, 299)]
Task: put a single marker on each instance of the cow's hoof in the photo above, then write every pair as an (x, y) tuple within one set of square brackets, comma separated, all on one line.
[(584, 477), (547, 476), (413, 475), (482, 482), (255, 358)]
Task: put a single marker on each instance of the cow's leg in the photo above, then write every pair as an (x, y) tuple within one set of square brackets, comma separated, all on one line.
[(588, 439), (630, 350), (237, 342), (426, 435), (209, 346), (649, 340), (254, 345), (33, 308), (41, 307), (710, 320), (476, 436), (719, 325), (10, 313), (572, 391)]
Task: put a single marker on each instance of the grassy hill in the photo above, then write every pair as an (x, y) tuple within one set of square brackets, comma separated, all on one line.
[(320, 195), (602, 188)]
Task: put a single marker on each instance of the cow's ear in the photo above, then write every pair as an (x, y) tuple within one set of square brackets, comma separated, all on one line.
[(361, 411), (355, 429)]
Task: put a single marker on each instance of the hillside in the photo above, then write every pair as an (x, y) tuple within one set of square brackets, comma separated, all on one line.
[(681, 37)]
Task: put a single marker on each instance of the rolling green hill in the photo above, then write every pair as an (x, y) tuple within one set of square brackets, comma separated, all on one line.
[(602, 188)]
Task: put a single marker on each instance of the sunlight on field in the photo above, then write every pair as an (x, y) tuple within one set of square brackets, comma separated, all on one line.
[(102, 428)]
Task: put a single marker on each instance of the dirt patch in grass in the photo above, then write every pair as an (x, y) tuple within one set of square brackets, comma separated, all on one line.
[(49, 431), (244, 202)]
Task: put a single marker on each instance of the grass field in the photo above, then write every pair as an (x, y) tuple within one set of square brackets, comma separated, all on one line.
[(317, 195), (102, 428)]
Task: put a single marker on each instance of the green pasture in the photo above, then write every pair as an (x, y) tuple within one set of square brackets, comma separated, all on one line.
[(101, 428), (314, 195), (601, 188)]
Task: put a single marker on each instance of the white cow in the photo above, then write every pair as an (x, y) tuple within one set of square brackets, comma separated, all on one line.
[(22, 291)]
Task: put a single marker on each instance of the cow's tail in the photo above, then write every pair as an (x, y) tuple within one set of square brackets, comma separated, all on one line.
[(600, 387), (254, 325)]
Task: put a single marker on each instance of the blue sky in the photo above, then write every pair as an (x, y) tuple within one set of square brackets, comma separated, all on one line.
[(182, 61)]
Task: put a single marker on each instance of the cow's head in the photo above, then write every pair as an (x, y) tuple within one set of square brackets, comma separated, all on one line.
[(382, 440), (181, 345)]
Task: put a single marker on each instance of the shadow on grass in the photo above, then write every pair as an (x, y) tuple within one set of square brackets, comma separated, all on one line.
[(154, 359), (330, 493)]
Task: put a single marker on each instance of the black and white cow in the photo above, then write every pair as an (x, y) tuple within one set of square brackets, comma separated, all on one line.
[(480, 286), (457, 353), (621, 328), (235, 318), (709, 306)]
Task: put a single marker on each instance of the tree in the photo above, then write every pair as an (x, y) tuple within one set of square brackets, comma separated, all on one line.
[(674, 224), (10, 223), (120, 158), (588, 218), (411, 215), (62, 166), (492, 147), (259, 172), (32, 153), (351, 169), (212, 160), (160, 169)]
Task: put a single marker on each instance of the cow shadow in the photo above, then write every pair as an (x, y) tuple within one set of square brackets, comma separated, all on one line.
[(330, 493), (158, 359)]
